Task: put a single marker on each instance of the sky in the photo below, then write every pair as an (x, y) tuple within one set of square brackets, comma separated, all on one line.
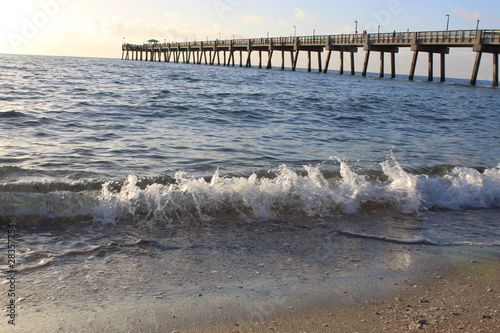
[(97, 28)]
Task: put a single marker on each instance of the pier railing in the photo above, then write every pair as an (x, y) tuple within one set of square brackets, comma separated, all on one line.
[(465, 38)]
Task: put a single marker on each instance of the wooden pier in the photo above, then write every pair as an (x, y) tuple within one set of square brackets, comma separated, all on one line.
[(223, 52)]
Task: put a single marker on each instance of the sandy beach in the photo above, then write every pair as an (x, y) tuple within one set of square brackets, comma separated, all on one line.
[(296, 280), (456, 298)]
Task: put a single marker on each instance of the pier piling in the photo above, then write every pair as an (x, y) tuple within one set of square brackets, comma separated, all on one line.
[(495, 69), (475, 70)]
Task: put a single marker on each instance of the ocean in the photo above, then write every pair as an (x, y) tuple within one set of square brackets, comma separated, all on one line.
[(188, 178)]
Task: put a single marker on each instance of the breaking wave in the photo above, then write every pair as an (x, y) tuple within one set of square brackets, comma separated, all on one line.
[(279, 194)]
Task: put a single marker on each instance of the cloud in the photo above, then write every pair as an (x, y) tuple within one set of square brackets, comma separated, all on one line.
[(303, 15), (347, 29), (171, 15), (285, 23), (129, 28), (253, 18), (467, 16)]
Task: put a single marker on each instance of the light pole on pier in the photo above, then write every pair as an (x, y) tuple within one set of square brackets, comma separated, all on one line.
[(477, 25), (294, 31), (356, 29), (447, 21)]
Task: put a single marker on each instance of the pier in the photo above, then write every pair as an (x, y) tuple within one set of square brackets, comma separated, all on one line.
[(224, 52)]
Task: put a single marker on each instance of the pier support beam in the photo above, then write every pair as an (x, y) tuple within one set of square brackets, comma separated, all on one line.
[(249, 59), (230, 60), (480, 49), (341, 50), (212, 60), (341, 68), (353, 71), (270, 53), (381, 65), (475, 70), (365, 65), (270, 60), (443, 68), (382, 49), (442, 50), (327, 63), (308, 61), (393, 65), (495, 69), (320, 69), (294, 60), (430, 67)]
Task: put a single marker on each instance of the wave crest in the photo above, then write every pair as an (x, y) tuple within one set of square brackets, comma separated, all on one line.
[(287, 193)]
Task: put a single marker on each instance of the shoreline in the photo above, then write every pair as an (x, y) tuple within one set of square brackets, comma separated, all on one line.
[(315, 281), (463, 296)]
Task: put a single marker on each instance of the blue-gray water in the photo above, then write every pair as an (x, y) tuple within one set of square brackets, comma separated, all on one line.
[(108, 141)]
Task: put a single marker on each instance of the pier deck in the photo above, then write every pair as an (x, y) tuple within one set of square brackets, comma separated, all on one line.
[(223, 51)]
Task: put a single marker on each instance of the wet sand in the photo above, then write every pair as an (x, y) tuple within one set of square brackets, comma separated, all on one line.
[(456, 298), (297, 280)]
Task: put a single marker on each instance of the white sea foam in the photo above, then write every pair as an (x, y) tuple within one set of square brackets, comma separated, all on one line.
[(288, 193), (310, 194)]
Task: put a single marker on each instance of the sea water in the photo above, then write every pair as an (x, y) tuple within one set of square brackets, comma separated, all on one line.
[(218, 169)]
